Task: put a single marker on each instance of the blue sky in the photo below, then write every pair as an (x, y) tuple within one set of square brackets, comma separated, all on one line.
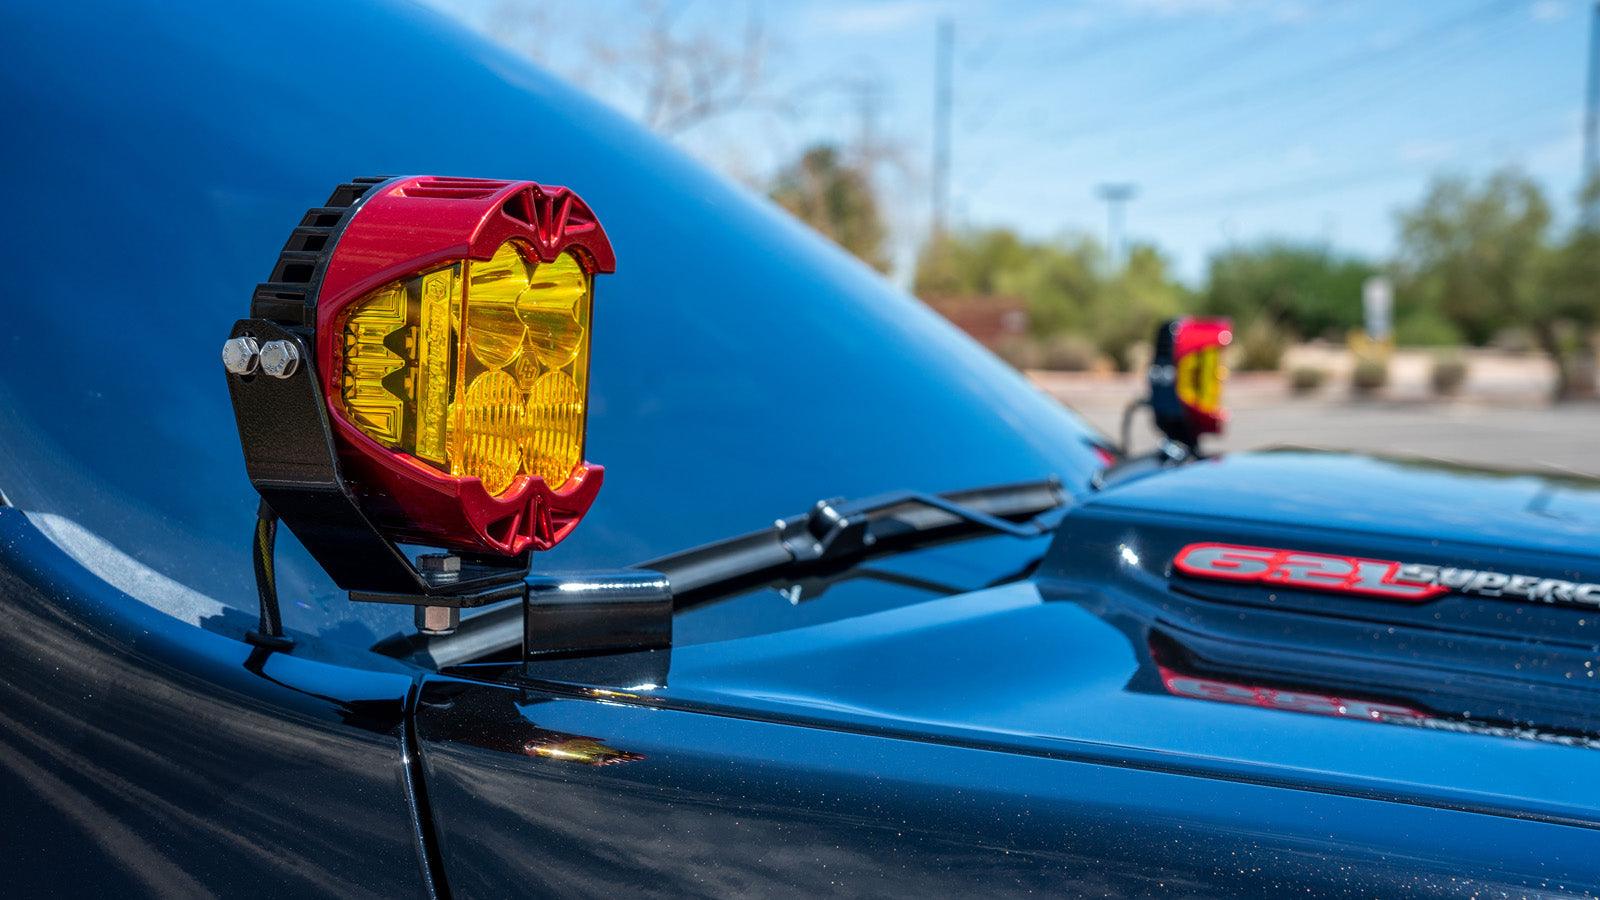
[(1238, 119)]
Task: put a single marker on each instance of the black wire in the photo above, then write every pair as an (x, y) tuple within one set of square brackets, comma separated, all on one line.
[(266, 538), (1127, 424)]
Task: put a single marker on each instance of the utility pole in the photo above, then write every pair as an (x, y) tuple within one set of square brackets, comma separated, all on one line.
[(1116, 197), (1591, 122), (943, 54), (868, 96)]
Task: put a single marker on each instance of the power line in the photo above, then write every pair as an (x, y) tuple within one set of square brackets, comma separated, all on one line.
[(1207, 63), (1412, 66), (1271, 89), (1196, 152), (1262, 97), (1306, 186)]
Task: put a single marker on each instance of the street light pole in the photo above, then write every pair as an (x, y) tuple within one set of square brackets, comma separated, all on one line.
[(1116, 197)]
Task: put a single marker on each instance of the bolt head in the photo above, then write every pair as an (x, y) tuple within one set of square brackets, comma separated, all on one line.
[(241, 355), (439, 562), (442, 566), (279, 359)]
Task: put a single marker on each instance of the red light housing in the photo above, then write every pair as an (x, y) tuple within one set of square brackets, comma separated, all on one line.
[(1187, 375), (411, 226)]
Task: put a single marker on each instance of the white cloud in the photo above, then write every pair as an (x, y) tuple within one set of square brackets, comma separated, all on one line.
[(1302, 156), (1184, 7), (1549, 10), (880, 18), (1422, 150), (1281, 10), (1558, 154)]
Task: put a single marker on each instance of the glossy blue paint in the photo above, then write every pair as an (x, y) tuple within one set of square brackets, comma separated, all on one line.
[(880, 738), (1044, 673), (145, 756), (1396, 499), (742, 366), (731, 805)]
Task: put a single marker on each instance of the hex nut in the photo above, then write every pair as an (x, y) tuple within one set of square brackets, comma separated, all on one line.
[(241, 355), (438, 620), (279, 359)]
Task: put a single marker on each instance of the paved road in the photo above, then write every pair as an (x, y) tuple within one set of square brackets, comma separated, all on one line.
[(1501, 435)]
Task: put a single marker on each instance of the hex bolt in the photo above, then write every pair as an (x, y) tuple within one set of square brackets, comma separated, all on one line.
[(438, 568), (438, 620), (241, 355), (279, 359)]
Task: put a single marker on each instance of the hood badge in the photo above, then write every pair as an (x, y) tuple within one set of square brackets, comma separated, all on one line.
[(1377, 578)]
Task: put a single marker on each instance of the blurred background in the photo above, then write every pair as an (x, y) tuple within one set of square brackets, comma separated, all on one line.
[(1397, 203)]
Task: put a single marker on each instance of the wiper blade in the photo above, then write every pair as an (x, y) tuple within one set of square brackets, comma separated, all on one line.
[(837, 533), (833, 535)]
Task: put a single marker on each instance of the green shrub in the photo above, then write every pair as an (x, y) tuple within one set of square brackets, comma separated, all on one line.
[(1449, 374), (1369, 375), (1260, 348), (1426, 328), (1068, 352), (1306, 379)]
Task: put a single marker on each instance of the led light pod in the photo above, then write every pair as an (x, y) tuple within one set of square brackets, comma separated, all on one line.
[(453, 345), (443, 326), (1186, 377)]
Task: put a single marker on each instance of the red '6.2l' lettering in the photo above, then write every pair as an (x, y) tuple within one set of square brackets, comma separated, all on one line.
[(1299, 569)]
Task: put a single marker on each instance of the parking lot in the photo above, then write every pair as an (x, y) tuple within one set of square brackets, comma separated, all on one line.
[(1510, 431)]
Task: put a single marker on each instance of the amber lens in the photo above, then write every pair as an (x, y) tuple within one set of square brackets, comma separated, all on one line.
[(1200, 379), (494, 331), (490, 430), (554, 427), (480, 369)]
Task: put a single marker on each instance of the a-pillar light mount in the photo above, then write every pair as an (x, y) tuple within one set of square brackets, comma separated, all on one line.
[(1187, 374), (411, 386)]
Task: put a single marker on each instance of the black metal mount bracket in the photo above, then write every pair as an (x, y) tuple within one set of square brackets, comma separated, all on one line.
[(290, 457)]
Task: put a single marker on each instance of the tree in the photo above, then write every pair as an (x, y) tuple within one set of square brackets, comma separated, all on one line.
[(1306, 289), (1476, 253), (1069, 285), (969, 264), (1572, 301), (1133, 301), (1061, 282), (653, 59), (1481, 256), (835, 198)]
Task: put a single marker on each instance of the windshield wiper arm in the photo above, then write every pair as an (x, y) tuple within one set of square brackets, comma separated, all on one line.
[(834, 534), (837, 532)]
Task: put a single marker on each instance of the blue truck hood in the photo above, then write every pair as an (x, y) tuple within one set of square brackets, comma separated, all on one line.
[(1395, 499), (1464, 703), (1025, 669)]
